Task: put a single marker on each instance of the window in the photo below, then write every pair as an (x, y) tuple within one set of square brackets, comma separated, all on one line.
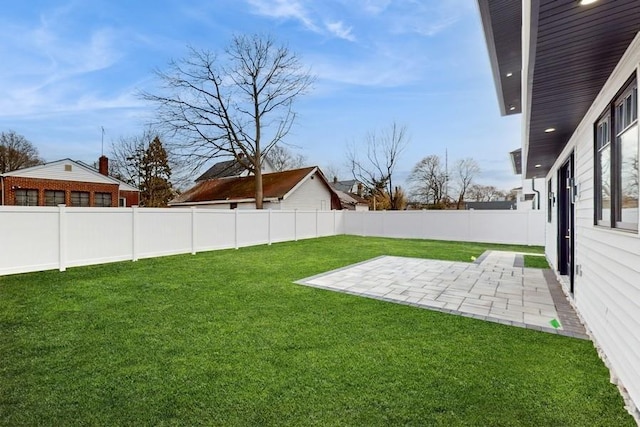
[(79, 198), (123, 202), (103, 200), (53, 197), (26, 197), (616, 145)]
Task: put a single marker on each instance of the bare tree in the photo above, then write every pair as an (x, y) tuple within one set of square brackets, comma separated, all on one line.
[(239, 104), (486, 193), (282, 158), (126, 159), (16, 152), (464, 172), (375, 163), (333, 171), (428, 180)]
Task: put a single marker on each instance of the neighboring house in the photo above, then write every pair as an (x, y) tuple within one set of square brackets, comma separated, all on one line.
[(233, 167), (493, 205), (349, 186), (66, 182), (351, 201), (571, 69), (533, 194), (305, 189), (350, 194)]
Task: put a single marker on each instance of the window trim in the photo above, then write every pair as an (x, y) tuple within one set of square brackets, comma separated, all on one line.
[(610, 114)]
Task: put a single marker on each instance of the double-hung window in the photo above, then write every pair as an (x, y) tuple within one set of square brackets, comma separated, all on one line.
[(616, 148)]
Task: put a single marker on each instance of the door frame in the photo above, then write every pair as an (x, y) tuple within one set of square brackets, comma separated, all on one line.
[(566, 220)]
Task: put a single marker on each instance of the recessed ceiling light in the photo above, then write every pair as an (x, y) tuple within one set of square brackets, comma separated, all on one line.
[(549, 130), (509, 74), (586, 2), (538, 166)]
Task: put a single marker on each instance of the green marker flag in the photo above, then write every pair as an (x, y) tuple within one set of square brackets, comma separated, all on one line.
[(555, 323)]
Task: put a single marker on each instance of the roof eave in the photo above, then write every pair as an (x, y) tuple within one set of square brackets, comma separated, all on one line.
[(485, 16)]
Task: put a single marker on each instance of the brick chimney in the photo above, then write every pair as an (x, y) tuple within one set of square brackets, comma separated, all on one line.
[(103, 165)]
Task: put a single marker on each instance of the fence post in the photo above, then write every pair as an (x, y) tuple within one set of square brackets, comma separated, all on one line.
[(62, 238), (236, 245), (363, 218), (193, 230), (335, 232), (295, 225), (269, 227), (134, 234), (317, 233)]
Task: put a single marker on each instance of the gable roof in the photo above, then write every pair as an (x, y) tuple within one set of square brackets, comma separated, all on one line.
[(344, 186), (347, 198), (56, 171), (224, 169), (566, 52), (276, 186)]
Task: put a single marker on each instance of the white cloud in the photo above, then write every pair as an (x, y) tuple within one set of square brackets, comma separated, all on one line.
[(339, 30), (284, 9), (373, 7)]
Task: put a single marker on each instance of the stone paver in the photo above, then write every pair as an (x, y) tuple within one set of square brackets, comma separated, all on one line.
[(494, 288)]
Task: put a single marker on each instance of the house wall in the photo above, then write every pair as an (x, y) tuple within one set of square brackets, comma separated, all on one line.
[(12, 183), (527, 188), (312, 194), (607, 280), (132, 197)]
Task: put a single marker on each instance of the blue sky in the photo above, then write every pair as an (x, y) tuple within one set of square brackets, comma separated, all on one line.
[(70, 67)]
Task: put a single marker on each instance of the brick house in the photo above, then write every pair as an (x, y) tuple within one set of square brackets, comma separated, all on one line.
[(66, 182)]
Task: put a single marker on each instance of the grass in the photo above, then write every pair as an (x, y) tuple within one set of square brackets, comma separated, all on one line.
[(226, 338), (533, 261)]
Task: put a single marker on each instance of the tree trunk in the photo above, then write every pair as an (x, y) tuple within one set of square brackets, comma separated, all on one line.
[(259, 191)]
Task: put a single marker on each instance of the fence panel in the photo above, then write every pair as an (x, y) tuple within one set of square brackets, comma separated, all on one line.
[(39, 238), (514, 227), (29, 239), (214, 229), (162, 232), (98, 235), (253, 227)]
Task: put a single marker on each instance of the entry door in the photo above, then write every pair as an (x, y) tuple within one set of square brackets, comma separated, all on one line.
[(566, 199)]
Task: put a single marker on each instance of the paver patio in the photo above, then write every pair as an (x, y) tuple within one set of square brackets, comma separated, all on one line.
[(496, 288)]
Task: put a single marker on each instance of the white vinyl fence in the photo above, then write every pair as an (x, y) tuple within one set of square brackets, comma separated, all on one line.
[(489, 226), (45, 238)]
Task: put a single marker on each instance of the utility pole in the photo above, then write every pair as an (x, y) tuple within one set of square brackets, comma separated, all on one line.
[(446, 176)]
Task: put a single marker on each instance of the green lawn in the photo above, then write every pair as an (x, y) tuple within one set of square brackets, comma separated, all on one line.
[(225, 338), (532, 261)]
